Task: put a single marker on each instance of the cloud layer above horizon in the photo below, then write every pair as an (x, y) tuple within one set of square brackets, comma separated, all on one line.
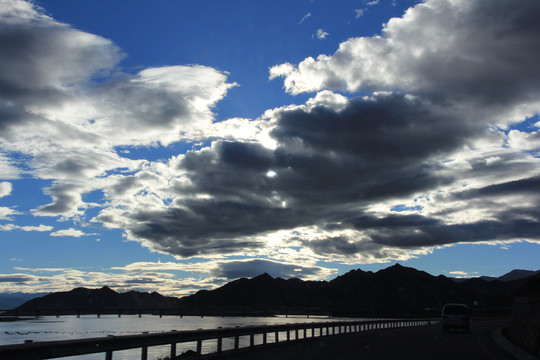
[(422, 137)]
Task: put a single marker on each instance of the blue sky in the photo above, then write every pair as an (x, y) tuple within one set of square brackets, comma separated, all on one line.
[(173, 146)]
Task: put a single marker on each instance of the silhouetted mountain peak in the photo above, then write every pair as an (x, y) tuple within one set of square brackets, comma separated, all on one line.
[(263, 277), (517, 274)]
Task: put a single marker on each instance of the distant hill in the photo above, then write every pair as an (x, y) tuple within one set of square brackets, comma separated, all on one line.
[(12, 300), (518, 275), (396, 290), (510, 276), (93, 300)]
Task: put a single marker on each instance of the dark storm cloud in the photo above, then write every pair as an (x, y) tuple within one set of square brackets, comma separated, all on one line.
[(242, 155), (374, 149), (415, 231), (505, 227), (389, 127), (209, 227), (338, 246), (522, 186)]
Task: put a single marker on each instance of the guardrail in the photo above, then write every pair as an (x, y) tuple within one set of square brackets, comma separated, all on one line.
[(109, 344)]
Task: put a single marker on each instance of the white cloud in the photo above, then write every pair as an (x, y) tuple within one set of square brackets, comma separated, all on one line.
[(524, 140), (40, 228), (40, 269), (320, 34), (372, 3), (70, 232), (304, 18), (5, 188), (440, 48), (459, 273), (358, 13), (68, 126), (8, 170), (6, 213)]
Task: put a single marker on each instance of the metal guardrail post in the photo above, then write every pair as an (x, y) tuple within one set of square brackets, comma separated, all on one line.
[(144, 353), (251, 340), (173, 351), (199, 347), (219, 344), (236, 342)]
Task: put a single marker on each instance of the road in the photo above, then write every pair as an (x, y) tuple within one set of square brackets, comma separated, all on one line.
[(429, 343)]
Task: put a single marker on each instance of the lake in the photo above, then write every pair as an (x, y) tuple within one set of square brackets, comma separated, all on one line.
[(48, 328)]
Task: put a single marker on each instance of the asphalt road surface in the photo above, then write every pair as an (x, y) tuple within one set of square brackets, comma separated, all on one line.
[(428, 342)]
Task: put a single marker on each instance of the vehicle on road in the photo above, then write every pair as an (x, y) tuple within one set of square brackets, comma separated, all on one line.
[(456, 316)]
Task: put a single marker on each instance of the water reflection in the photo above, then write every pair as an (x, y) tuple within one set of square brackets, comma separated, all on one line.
[(49, 328)]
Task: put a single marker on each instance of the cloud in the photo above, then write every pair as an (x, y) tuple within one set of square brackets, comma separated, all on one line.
[(459, 273), (358, 13), (7, 213), (67, 106), (70, 232), (442, 49), (40, 228), (372, 3), (529, 141), (5, 188), (17, 278), (304, 18), (39, 269), (8, 171), (320, 34)]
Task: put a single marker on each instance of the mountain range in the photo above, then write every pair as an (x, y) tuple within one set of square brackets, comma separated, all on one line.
[(396, 290)]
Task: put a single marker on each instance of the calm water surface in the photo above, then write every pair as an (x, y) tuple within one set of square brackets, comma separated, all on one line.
[(48, 328)]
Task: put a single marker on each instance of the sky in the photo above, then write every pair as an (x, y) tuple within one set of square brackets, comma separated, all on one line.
[(174, 146)]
